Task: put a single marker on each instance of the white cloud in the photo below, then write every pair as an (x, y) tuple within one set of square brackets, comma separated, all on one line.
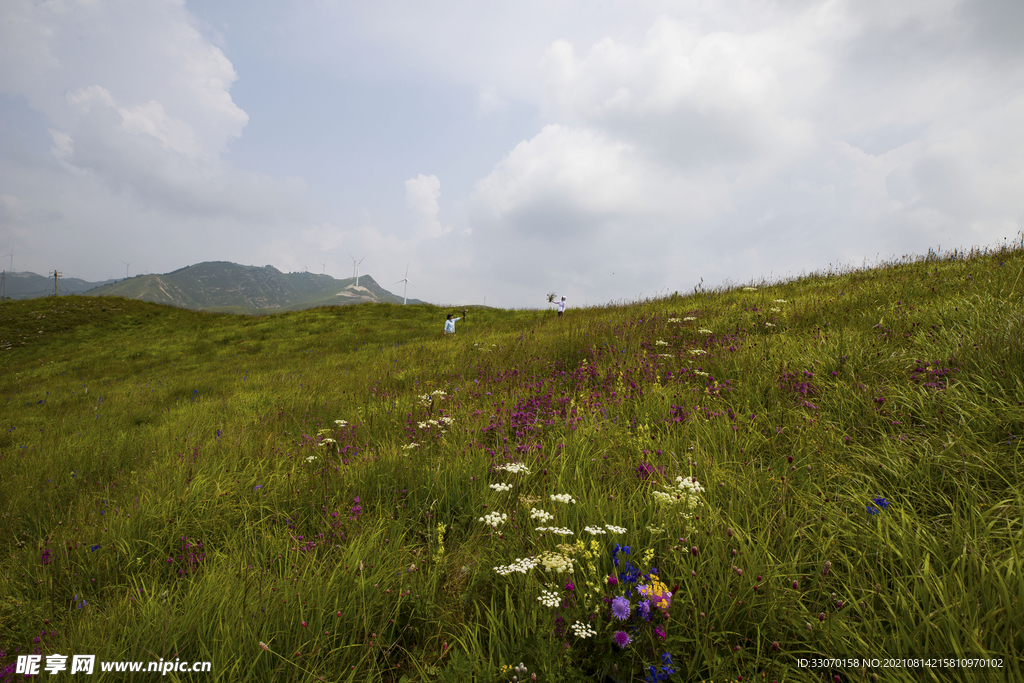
[(421, 195)]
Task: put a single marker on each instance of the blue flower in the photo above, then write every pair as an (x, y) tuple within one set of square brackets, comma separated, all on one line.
[(644, 609), (881, 503)]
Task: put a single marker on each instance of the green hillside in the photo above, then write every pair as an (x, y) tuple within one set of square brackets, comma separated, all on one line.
[(736, 484), (220, 286)]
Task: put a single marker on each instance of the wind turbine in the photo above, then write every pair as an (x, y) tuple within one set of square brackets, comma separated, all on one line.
[(324, 264), (405, 291), (355, 267), (12, 261), (126, 264)]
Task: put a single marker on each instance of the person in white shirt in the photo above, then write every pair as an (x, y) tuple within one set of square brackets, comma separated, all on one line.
[(561, 307), (449, 324)]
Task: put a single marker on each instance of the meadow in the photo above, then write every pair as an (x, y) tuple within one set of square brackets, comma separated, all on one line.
[(811, 480)]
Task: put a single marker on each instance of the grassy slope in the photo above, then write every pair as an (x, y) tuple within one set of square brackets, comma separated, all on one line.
[(167, 465)]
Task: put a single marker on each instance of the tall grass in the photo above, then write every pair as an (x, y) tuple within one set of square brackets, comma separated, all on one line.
[(175, 484)]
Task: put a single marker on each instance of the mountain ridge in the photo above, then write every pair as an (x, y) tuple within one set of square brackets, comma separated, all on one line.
[(223, 286)]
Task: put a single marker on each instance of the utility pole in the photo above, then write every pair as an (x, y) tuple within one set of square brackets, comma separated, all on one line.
[(3, 285), (56, 274)]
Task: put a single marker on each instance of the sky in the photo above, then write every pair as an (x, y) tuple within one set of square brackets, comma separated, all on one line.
[(605, 151)]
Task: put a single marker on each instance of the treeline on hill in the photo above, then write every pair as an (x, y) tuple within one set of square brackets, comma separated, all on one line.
[(805, 480)]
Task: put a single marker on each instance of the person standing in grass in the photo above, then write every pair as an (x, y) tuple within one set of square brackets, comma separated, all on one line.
[(561, 307), (449, 323)]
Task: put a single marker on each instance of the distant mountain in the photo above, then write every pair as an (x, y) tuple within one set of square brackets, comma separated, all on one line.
[(27, 285), (232, 288)]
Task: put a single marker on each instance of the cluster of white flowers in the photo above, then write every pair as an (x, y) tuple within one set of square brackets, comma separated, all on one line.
[(311, 458), (661, 342), (522, 565), (341, 423), (654, 529), (685, 494), (501, 488), (688, 318), (615, 529), (594, 530), (550, 599), (410, 446), (674, 320), (583, 630), (561, 531), (750, 289), (495, 519), (543, 516), (556, 562), (427, 399), (781, 301), (514, 468), (562, 498), (774, 309), (326, 441), (701, 373), (666, 355), (705, 330), (441, 423), (698, 352), (769, 325)]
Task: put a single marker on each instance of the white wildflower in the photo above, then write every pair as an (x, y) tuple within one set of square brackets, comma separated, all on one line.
[(769, 325), (661, 342), (750, 289), (501, 488), (311, 458), (689, 318), (701, 373), (562, 498), (327, 439), (698, 352), (666, 355), (561, 531), (781, 301), (341, 423), (774, 309), (705, 330), (596, 530), (494, 519), (438, 393), (522, 566), (541, 515), (685, 495), (410, 446), (514, 468), (550, 599), (556, 562), (615, 529), (583, 630), (674, 320), (655, 530)]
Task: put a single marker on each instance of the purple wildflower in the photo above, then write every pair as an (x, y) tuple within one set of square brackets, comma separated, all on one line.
[(644, 609), (620, 608), (622, 639)]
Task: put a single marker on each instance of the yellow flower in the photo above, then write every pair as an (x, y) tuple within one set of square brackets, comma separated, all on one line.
[(658, 593)]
